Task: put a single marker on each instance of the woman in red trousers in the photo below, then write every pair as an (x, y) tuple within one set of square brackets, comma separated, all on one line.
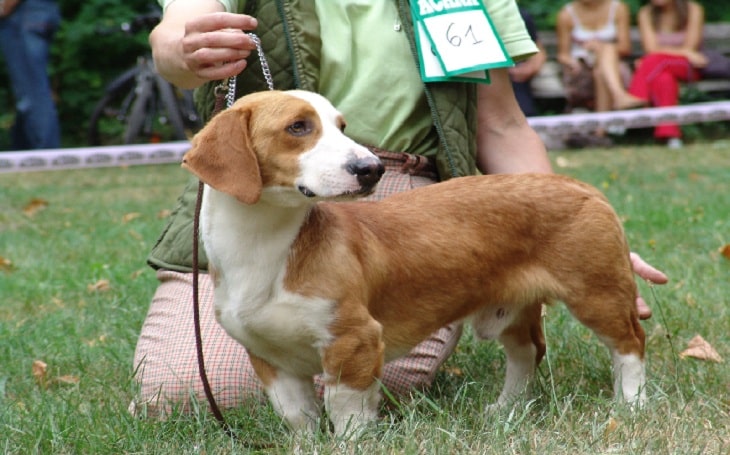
[(671, 36)]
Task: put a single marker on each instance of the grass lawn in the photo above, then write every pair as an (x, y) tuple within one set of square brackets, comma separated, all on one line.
[(74, 290)]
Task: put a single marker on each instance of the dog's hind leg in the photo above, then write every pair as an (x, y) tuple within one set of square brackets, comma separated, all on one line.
[(611, 314), (524, 346)]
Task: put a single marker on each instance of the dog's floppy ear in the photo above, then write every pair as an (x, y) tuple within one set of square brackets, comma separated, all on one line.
[(222, 156)]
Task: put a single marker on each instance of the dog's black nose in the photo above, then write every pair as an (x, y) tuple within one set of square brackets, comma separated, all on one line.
[(367, 170)]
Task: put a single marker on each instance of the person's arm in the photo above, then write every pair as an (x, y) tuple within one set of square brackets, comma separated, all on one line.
[(646, 30), (623, 30), (695, 26), (506, 143), (527, 69), (563, 32), (693, 38), (196, 41)]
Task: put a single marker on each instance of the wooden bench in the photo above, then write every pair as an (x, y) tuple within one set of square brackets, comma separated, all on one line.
[(548, 84)]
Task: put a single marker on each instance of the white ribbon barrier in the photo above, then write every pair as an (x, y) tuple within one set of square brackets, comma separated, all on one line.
[(92, 157), (172, 152), (635, 118)]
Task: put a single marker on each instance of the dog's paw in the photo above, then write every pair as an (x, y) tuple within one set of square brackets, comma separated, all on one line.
[(494, 408)]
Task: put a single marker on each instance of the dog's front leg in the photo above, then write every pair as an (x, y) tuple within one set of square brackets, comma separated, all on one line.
[(292, 397), (351, 409), (353, 363)]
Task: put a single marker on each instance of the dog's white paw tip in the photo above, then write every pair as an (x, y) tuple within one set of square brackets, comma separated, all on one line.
[(494, 408)]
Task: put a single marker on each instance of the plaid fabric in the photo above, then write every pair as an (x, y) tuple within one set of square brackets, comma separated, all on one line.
[(165, 359)]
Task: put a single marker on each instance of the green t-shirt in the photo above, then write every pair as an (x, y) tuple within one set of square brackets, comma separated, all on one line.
[(362, 46)]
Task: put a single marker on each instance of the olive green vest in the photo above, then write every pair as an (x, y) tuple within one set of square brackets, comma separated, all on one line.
[(453, 109)]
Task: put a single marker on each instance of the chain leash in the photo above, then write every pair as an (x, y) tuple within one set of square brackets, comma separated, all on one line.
[(231, 86)]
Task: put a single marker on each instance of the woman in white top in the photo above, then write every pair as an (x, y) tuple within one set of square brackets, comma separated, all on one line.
[(593, 36)]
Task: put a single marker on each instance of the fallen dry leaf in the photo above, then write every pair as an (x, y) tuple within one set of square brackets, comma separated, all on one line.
[(6, 265), (454, 371), (40, 373), (725, 251), (698, 348), (66, 379), (99, 286), (34, 206), (611, 426), (130, 216), (94, 342), (164, 213)]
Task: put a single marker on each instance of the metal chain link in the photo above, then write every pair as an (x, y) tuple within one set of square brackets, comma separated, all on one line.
[(264, 63), (231, 94)]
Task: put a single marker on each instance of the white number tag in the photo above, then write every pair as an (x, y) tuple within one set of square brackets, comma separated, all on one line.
[(456, 40)]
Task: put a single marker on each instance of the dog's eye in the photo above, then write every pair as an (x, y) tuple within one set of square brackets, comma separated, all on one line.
[(299, 128)]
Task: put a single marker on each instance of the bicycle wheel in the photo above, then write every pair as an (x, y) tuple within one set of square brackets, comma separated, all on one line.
[(142, 107), (107, 120)]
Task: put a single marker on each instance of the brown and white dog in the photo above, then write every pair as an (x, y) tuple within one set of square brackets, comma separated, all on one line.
[(309, 284)]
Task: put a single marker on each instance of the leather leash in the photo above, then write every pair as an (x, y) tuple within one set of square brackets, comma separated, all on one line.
[(225, 95)]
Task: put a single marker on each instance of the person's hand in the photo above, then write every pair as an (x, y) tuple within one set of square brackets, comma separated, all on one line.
[(215, 46), (594, 46), (575, 66), (649, 273), (697, 59), (7, 7)]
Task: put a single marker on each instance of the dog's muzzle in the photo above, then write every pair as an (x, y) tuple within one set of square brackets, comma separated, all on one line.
[(367, 170)]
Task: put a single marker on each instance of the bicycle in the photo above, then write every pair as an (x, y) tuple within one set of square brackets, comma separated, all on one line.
[(139, 105)]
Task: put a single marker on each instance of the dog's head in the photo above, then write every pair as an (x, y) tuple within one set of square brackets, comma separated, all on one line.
[(288, 146)]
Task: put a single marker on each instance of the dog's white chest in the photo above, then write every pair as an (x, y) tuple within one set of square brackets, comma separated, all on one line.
[(249, 248), (288, 330)]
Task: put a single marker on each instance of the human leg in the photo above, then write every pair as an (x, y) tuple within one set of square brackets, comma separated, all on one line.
[(602, 93), (656, 81), (165, 359), (25, 38), (645, 68), (605, 75), (610, 80), (665, 92), (664, 89)]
